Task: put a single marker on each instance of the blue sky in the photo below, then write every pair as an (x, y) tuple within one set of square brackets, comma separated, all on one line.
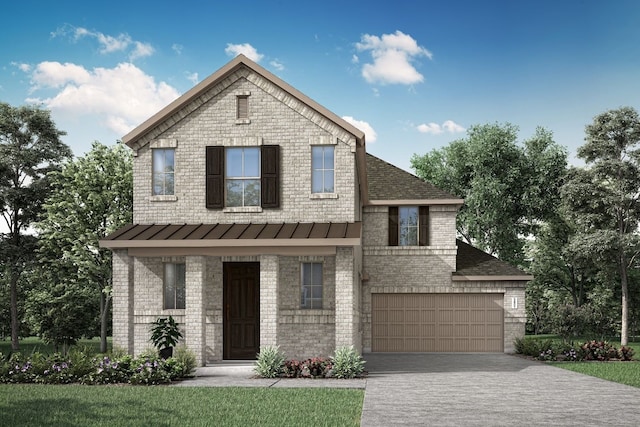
[(413, 75)]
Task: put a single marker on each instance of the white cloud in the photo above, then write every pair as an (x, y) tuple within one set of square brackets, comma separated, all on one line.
[(277, 65), (369, 132), (108, 43), (141, 50), (392, 56), (355, 59), (452, 127), (22, 66), (192, 77), (246, 49), (177, 48), (435, 129), (122, 97)]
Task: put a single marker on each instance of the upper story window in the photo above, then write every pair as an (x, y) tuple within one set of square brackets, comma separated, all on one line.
[(242, 176), (174, 285), (408, 225), (311, 280), (163, 171), (238, 177), (322, 169)]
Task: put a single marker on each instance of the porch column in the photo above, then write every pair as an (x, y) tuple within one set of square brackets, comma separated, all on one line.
[(194, 331), (123, 300), (347, 322), (269, 272)]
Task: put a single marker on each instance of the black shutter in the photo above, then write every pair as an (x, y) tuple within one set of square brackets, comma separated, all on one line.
[(423, 227), (393, 226), (215, 178), (270, 179)]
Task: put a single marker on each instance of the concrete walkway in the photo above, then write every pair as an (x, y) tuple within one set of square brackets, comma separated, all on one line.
[(489, 390), (437, 389)]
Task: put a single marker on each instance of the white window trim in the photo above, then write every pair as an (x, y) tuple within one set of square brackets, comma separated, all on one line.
[(322, 284), (323, 195), (164, 144), (239, 209)]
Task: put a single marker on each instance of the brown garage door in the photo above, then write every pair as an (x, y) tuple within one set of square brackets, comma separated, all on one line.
[(437, 322)]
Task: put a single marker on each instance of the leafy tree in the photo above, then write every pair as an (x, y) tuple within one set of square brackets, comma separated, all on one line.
[(91, 197), (602, 198), (509, 189), (62, 313), (30, 147)]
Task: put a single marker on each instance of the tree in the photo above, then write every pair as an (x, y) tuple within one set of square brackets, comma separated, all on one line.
[(509, 189), (602, 198), (30, 147), (90, 198)]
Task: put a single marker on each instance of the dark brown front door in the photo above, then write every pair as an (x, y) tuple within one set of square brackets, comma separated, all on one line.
[(241, 310)]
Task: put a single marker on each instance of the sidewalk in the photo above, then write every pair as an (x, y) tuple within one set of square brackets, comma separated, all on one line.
[(241, 374)]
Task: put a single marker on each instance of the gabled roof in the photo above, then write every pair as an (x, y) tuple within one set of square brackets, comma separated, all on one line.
[(389, 183), (474, 264), (232, 66)]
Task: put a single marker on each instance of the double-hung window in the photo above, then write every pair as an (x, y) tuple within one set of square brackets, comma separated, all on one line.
[(322, 168), (242, 176), (174, 285), (239, 177), (408, 226), (163, 171), (311, 280)]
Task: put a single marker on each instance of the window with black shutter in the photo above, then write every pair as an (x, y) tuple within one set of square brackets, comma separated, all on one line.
[(270, 176), (408, 226), (234, 179), (215, 177)]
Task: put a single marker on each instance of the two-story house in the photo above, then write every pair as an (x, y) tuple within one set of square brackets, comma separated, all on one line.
[(259, 219)]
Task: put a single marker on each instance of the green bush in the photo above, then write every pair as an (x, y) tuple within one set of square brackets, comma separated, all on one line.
[(347, 363), (182, 364), (270, 362)]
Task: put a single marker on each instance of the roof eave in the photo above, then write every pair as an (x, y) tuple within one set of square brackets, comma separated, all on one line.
[(230, 243)]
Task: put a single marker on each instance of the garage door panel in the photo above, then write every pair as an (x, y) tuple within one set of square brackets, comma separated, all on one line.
[(437, 322)]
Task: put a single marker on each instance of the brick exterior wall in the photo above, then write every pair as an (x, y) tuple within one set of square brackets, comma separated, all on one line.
[(350, 276), (272, 122)]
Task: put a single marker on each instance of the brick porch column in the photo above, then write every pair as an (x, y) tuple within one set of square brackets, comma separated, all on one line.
[(269, 272), (346, 299), (123, 300), (194, 330)]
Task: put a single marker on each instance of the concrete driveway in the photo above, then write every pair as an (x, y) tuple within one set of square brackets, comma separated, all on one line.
[(439, 389)]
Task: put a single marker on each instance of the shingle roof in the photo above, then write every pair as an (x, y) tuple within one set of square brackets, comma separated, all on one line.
[(202, 235), (388, 182), (472, 261)]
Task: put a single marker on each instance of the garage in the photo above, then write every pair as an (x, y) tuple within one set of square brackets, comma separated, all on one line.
[(437, 322)]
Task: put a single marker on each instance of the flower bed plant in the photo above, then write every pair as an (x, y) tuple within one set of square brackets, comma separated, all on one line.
[(345, 363), (552, 350), (78, 367)]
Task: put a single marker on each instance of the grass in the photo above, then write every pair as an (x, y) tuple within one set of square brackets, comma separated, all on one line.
[(30, 345), (620, 372), (37, 405)]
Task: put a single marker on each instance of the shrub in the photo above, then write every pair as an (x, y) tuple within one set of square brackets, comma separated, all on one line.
[(625, 353), (347, 363), (182, 364), (270, 362), (315, 367), (149, 371), (599, 350)]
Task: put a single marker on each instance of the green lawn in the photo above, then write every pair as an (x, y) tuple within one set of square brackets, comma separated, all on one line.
[(74, 405), (620, 372)]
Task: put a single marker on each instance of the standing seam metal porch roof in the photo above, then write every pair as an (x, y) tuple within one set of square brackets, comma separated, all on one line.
[(249, 234)]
